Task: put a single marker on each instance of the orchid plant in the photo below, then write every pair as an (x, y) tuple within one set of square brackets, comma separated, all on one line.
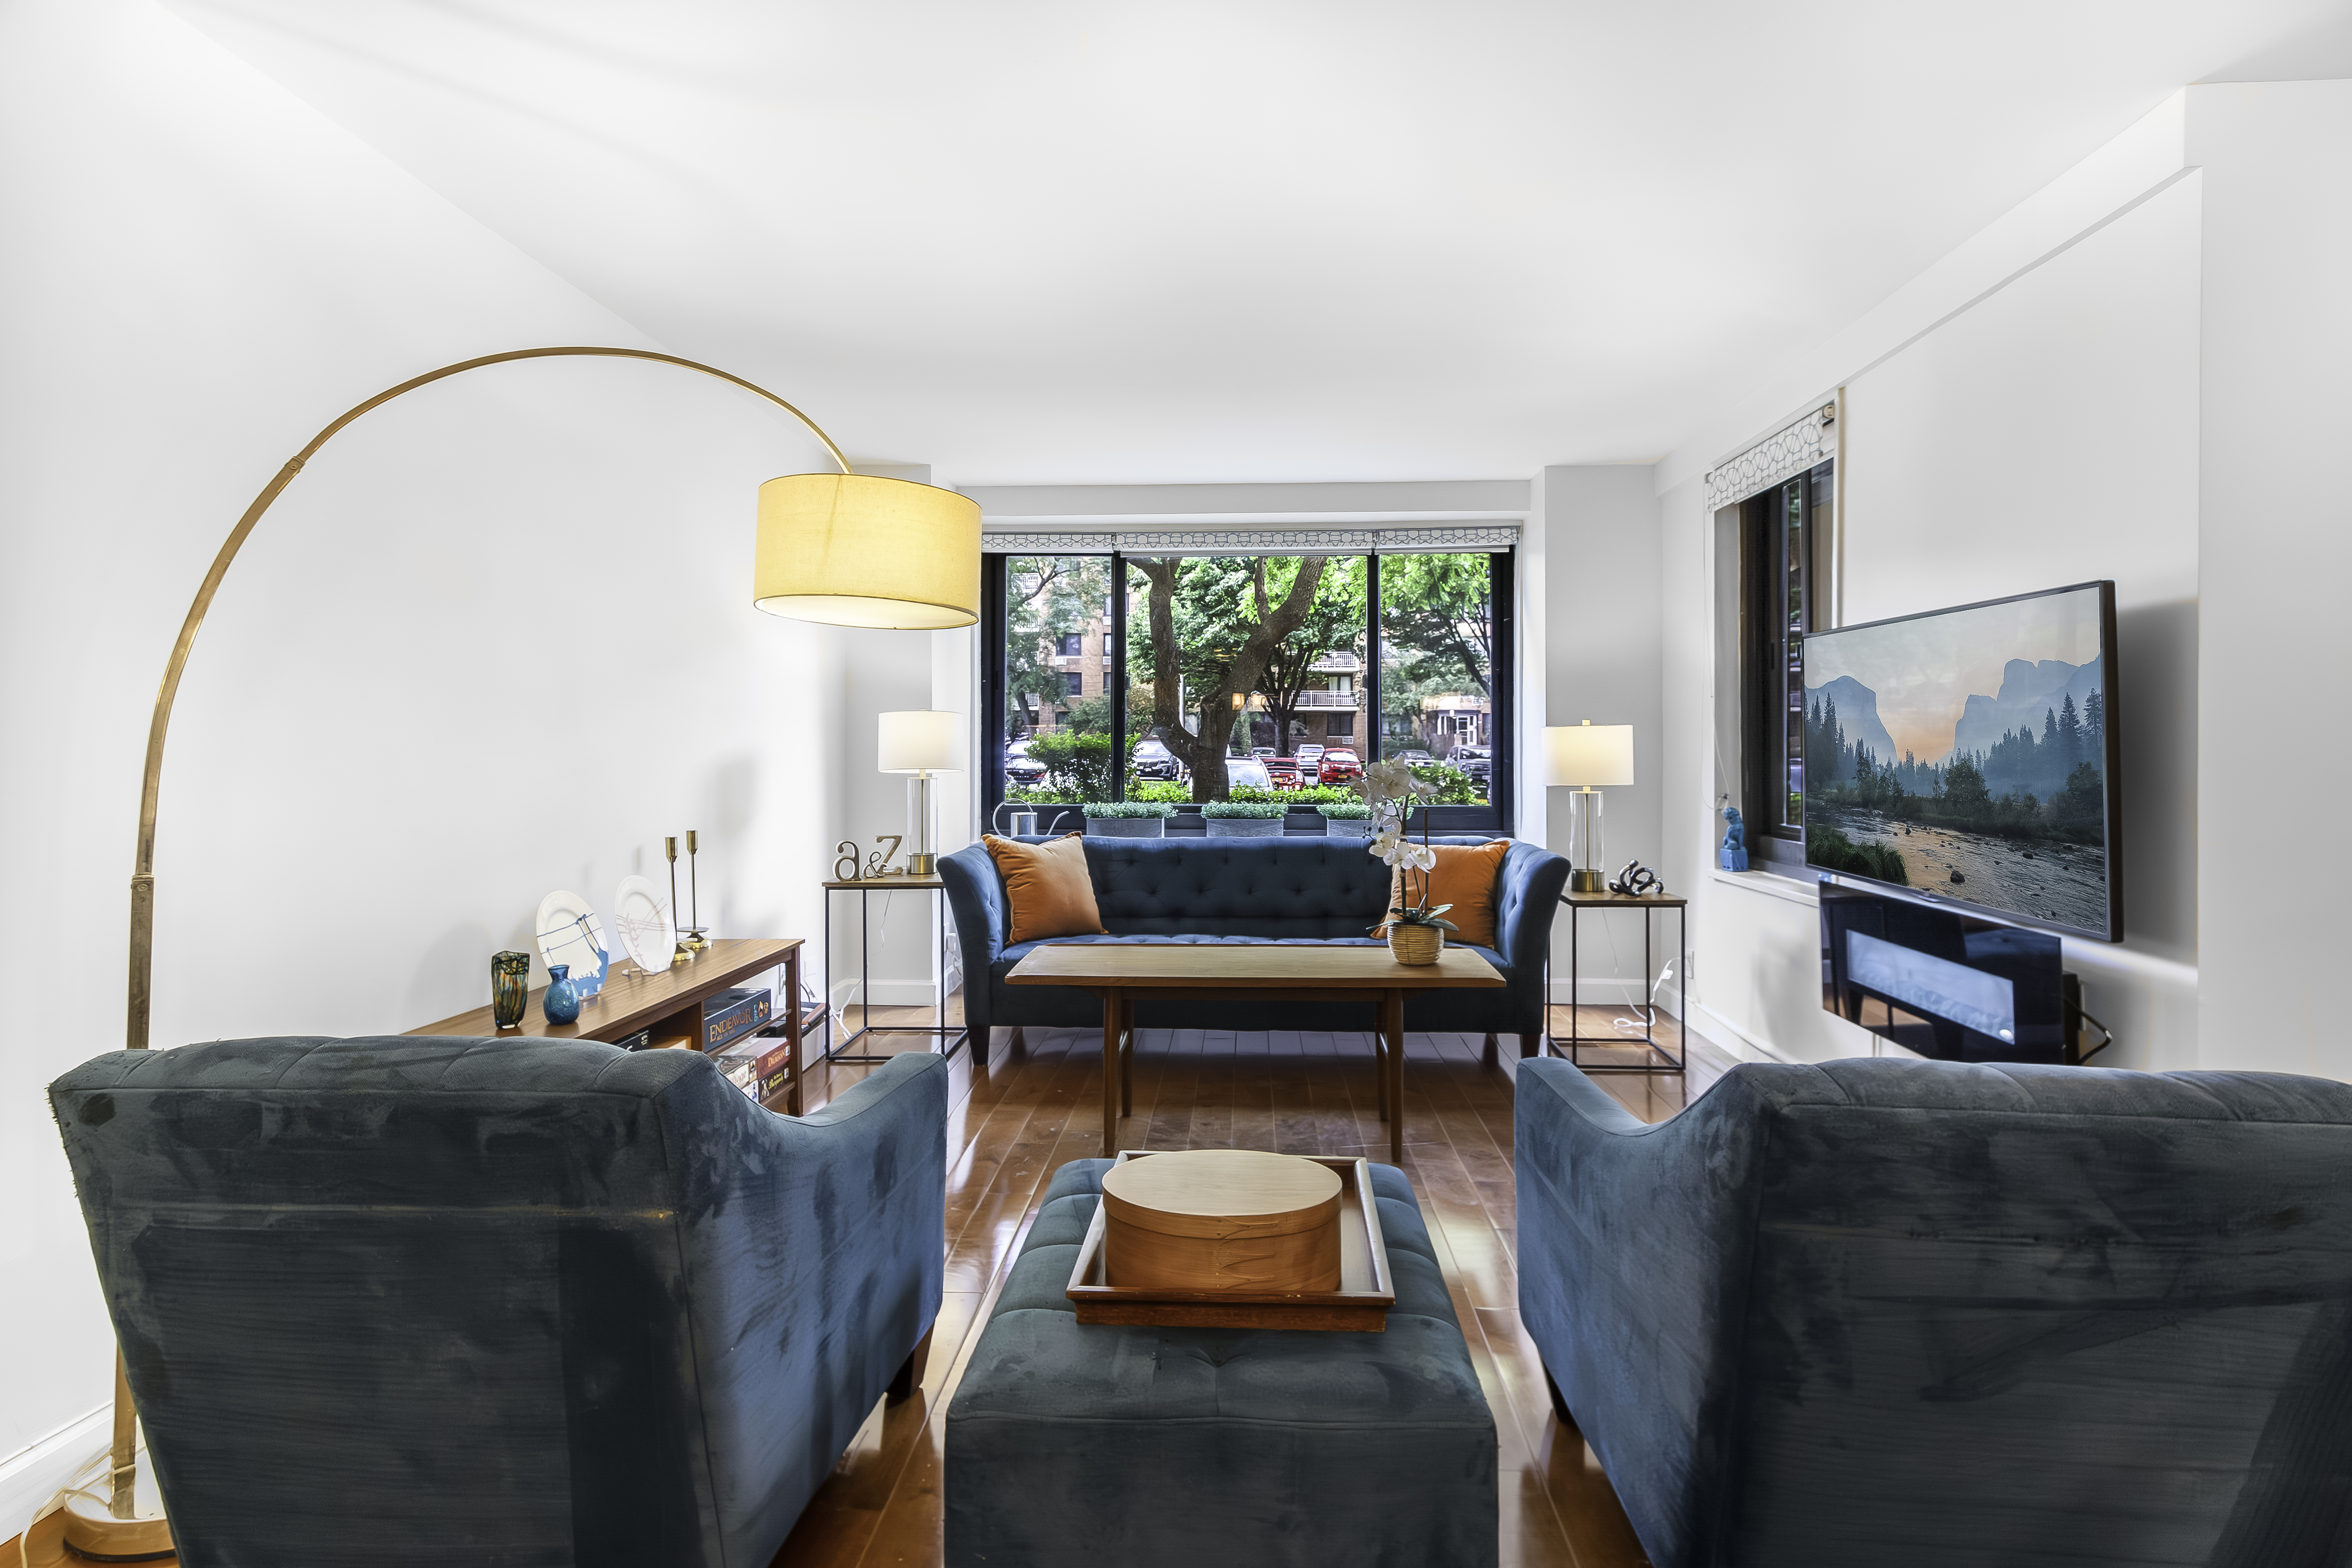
[(1392, 792)]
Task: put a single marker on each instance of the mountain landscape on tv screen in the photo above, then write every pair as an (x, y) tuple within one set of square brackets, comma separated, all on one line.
[(2001, 797)]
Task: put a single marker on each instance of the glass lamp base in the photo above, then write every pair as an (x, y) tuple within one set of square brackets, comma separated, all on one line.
[(1584, 844)]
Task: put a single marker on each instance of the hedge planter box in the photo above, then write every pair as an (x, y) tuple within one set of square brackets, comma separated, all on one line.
[(1245, 827), (1347, 828), (1303, 820), (1126, 827)]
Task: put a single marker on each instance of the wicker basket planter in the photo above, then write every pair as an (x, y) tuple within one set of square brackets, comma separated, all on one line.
[(1416, 944)]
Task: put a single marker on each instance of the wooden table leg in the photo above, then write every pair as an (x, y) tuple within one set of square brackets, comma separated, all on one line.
[(1393, 1031), (792, 1028), (1125, 1056), (1113, 1010)]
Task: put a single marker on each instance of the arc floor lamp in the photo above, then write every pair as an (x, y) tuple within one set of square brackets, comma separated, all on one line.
[(844, 549)]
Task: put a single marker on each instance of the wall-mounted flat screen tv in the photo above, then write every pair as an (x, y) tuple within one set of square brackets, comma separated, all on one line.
[(1968, 756)]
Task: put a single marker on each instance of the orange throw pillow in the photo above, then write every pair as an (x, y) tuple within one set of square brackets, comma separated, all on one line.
[(1465, 877), (1048, 888)]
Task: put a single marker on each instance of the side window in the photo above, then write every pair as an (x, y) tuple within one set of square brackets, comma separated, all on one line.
[(1784, 534)]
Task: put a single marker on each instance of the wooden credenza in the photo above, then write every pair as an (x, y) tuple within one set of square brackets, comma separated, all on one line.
[(669, 1001)]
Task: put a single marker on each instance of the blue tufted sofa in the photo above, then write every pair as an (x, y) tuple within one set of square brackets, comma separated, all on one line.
[(1249, 890), (476, 1302), (1947, 1315)]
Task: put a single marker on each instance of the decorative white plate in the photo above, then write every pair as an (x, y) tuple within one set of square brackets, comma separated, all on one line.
[(570, 932), (646, 929)]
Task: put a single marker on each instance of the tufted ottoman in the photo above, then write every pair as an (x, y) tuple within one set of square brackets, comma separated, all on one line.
[(1081, 1446)]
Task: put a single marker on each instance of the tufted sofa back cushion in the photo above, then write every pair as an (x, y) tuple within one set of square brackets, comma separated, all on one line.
[(1305, 886)]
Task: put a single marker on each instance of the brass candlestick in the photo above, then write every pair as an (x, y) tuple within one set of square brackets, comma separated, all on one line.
[(669, 849), (693, 940)]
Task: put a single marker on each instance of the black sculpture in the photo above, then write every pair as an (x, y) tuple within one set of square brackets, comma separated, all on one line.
[(1636, 880)]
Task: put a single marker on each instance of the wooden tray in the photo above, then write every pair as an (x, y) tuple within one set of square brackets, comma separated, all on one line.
[(1360, 1304)]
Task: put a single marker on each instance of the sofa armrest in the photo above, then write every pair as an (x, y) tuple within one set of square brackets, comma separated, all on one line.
[(1616, 1218), (1527, 896), (814, 1263), (976, 895)]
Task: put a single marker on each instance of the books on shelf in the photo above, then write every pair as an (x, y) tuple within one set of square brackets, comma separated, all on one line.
[(761, 1064), (732, 1015), (742, 1033)]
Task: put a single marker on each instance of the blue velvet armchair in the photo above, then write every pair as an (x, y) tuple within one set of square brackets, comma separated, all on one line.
[(1303, 889), (478, 1301), (1950, 1316)]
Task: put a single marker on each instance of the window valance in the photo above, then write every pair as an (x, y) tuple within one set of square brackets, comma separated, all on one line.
[(1420, 539), (1778, 456)]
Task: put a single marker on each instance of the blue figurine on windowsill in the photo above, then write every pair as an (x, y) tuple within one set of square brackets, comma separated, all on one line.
[(1732, 853)]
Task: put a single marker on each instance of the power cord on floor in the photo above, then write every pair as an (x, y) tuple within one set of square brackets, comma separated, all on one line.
[(1630, 1025)]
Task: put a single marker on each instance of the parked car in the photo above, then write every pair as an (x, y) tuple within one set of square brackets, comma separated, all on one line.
[(1286, 774), (1153, 760), (1338, 765), (1415, 757), (1310, 761), (1476, 760), (1248, 772), (1262, 751), (1020, 770)]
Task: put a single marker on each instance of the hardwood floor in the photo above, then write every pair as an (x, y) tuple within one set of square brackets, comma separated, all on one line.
[(1012, 1124)]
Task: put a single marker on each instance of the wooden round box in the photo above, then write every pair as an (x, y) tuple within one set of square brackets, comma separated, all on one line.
[(1222, 1220)]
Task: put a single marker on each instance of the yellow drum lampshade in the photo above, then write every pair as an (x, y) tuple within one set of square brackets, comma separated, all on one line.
[(856, 549)]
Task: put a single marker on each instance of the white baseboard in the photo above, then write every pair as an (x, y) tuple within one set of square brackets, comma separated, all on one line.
[(32, 1476), (887, 993), (1625, 993), (1732, 1039)]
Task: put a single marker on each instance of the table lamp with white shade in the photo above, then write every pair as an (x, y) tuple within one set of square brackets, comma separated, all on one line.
[(920, 743), (1587, 758)]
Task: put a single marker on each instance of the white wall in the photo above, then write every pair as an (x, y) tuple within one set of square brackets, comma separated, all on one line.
[(2276, 527), (884, 672), (2145, 360), (494, 640), (2044, 433), (1686, 826), (1970, 478), (1601, 661)]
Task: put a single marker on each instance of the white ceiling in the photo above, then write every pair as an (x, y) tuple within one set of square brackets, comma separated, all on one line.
[(1329, 240)]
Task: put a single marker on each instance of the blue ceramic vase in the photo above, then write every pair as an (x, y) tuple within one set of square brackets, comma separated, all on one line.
[(563, 999)]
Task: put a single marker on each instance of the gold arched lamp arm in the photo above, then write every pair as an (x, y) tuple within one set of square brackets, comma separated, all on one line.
[(142, 881)]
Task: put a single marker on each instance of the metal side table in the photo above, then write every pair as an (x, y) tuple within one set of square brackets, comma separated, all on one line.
[(1655, 1057), (949, 1037)]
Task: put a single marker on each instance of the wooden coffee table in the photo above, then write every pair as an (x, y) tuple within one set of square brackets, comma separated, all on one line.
[(1123, 974)]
